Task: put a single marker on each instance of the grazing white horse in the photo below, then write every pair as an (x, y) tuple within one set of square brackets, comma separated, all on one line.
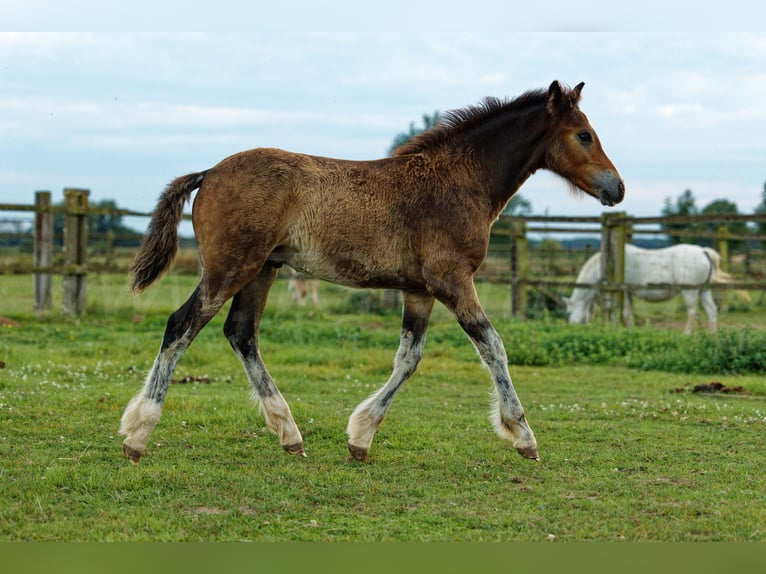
[(680, 265)]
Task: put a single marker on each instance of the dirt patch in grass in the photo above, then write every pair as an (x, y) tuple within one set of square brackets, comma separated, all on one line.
[(711, 387)]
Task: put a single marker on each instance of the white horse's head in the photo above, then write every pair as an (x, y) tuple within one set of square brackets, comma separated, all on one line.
[(581, 306), (579, 310)]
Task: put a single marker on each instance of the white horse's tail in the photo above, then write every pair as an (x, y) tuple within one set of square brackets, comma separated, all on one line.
[(717, 274)]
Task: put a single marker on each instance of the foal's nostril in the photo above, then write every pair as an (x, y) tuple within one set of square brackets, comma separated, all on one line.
[(621, 189)]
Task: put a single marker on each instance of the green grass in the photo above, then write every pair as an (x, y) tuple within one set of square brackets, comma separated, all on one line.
[(623, 456)]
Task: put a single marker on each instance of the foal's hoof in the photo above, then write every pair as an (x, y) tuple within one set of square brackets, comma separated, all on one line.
[(131, 454), (296, 449), (357, 453), (529, 452)]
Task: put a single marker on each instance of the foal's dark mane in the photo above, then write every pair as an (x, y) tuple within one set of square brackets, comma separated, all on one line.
[(455, 123)]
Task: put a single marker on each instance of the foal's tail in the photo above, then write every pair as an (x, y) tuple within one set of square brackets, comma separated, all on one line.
[(161, 239)]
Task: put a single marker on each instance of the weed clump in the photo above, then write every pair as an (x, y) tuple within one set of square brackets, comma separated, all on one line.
[(725, 352)]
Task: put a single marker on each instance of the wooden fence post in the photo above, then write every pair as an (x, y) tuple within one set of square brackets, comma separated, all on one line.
[(721, 243), (613, 238), (109, 249), (75, 250), (518, 269), (43, 250), (722, 246)]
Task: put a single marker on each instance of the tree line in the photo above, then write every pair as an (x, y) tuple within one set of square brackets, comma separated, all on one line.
[(685, 205)]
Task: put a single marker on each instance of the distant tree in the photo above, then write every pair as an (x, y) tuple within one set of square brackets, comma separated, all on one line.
[(518, 206), (720, 207), (761, 210), (428, 123), (724, 207), (106, 220), (683, 206), (103, 219)]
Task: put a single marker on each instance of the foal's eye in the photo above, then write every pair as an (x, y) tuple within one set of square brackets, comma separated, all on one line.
[(585, 137)]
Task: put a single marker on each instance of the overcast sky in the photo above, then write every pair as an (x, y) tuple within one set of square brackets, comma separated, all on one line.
[(123, 113)]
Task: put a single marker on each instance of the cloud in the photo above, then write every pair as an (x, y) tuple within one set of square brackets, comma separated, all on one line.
[(42, 43), (684, 108), (19, 114)]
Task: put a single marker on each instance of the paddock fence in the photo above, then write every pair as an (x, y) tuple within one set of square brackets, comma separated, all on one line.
[(525, 253), (613, 230), (28, 245)]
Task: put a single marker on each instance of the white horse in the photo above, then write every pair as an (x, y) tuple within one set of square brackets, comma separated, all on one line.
[(679, 265)]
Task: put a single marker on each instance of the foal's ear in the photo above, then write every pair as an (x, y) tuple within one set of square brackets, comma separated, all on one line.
[(561, 102), (555, 96)]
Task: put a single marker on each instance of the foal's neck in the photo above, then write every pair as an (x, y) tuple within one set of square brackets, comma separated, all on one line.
[(507, 151)]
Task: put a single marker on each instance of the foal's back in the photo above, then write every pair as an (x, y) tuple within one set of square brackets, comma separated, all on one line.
[(382, 223)]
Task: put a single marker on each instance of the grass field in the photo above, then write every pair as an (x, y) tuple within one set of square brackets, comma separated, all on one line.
[(627, 453)]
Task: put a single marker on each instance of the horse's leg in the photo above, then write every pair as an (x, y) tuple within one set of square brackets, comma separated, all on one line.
[(144, 409), (241, 329), (627, 310), (691, 298), (590, 309), (708, 303), (366, 418), (315, 292), (507, 415)]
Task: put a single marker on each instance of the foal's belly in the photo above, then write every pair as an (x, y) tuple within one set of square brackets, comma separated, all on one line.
[(347, 269)]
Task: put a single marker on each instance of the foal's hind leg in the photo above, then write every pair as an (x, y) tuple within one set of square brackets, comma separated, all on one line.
[(144, 410), (241, 329), (366, 418)]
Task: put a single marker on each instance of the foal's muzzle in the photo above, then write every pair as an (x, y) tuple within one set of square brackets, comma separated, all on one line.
[(611, 189)]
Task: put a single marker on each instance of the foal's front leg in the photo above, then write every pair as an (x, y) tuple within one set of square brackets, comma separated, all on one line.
[(507, 415), (366, 418)]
